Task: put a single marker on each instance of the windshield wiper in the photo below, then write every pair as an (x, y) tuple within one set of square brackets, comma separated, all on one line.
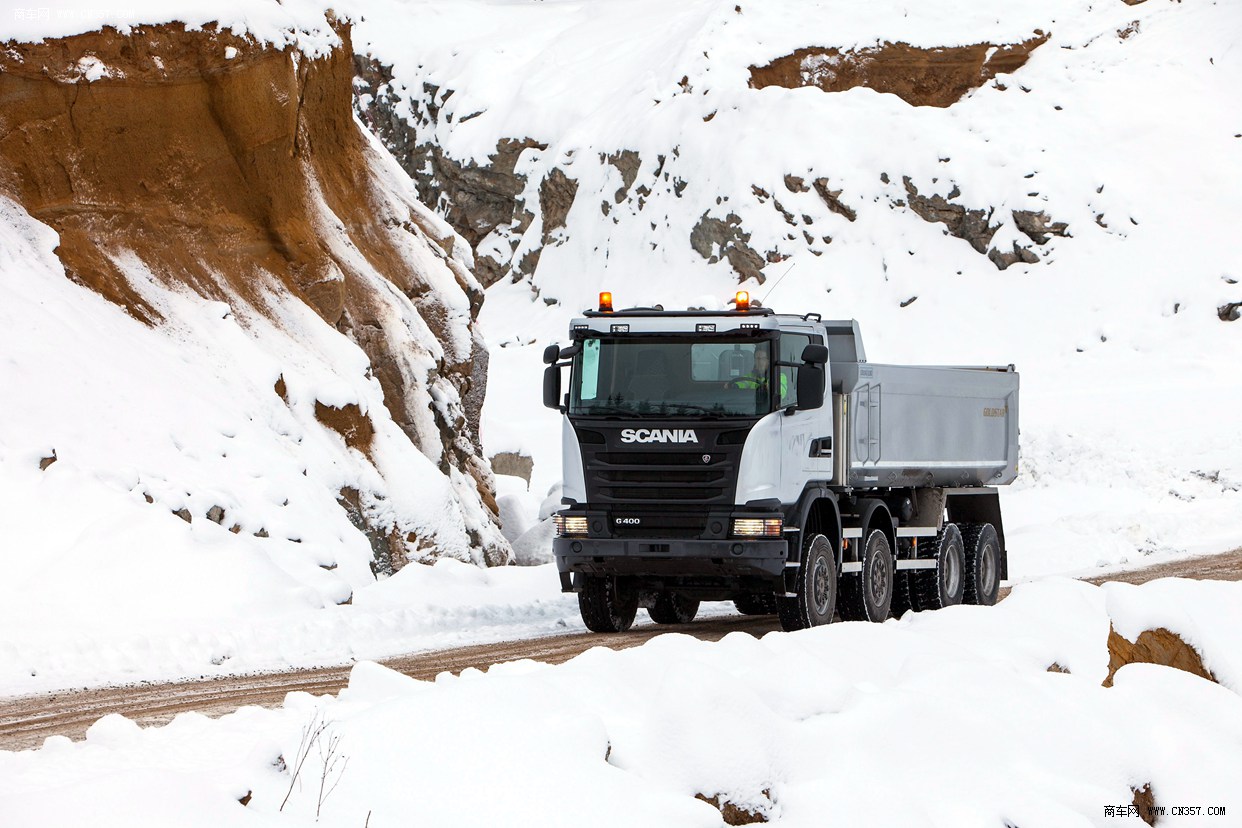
[(685, 408), (605, 411)]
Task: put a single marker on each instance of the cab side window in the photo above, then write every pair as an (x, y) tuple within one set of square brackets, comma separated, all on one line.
[(791, 345)]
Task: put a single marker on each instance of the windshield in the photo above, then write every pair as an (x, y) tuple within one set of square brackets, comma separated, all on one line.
[(725, 377)]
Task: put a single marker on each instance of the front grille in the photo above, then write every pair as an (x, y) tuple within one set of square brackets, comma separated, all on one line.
[(661, 477)]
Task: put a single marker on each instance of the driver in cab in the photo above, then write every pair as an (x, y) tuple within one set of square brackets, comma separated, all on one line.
[(758, 377)]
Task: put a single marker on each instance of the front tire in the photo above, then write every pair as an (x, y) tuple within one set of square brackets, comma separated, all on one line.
[(982, 563), (816, 598), (606, 605), (945, 585), (673, 609), (869, 597)]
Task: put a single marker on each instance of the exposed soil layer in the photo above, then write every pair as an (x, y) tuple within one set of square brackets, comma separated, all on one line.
[(26, 721), (919, 76), (237, 171)]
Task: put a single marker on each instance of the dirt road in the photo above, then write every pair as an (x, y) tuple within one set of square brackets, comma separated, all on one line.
[(26, 721)]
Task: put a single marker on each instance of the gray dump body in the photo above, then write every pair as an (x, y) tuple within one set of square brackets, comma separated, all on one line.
[(924, 425)]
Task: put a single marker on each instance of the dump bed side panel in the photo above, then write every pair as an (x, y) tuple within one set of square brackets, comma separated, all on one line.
[(930, 426)]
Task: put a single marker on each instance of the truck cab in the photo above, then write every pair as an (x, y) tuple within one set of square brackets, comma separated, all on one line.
[(706, 453)]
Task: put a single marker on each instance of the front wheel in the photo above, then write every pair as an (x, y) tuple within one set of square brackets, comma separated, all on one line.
[(673, 609), (816, 597), (606, 605)]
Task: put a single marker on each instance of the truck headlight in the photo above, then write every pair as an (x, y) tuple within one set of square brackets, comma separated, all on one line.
[(758, 527), (569, 526)]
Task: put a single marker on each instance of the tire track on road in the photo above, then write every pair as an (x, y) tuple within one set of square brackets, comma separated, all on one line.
[(26, 721)]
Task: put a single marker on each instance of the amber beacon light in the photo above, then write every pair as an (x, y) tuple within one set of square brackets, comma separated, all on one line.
[(605, 302), (741, 300)]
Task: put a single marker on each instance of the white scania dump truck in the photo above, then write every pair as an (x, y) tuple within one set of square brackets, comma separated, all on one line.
[(758, 457)]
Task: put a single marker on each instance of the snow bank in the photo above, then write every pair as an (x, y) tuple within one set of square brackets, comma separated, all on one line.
[(956, 711), (301, 24)]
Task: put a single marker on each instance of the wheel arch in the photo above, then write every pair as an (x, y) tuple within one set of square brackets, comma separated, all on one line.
[(979, 506), (873, 513), (818, 513)]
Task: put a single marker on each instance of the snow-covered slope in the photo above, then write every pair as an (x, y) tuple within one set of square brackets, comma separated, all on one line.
[(237, 355), (970, 716), (1090, 149)]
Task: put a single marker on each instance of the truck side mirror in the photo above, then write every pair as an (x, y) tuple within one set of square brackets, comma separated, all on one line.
[(552, 386), (815, 354), (811, 384), (551, 354)]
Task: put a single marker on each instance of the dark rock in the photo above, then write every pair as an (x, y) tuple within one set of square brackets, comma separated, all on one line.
[(1003, 260), (1039, 226), (714, 238), (1229, 312), (971, 225), (833, 199), (627, 163), (795, 184), (44, 462), (388, 553), (216, 514), (184, 514), (556, 196)]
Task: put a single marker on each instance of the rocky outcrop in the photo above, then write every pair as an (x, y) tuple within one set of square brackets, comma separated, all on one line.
[(977, 226), (919, 76), (476, 199), (715, 239), (236, 171), (1158, 646)]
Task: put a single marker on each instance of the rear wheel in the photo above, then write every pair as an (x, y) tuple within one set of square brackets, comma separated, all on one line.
[(869, 596), (755, 604), (673, 609), (982, 563), (816, 598), (945, 585), (606, 606)]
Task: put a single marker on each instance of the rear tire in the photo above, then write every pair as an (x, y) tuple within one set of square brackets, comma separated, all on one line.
[(673, 609), (982, 563), (816, 597), (869, 596), (606, 606), (944, 586), (902, 591), (753, 604)]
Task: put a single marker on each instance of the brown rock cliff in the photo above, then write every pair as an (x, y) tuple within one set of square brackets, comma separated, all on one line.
[(243, 178)]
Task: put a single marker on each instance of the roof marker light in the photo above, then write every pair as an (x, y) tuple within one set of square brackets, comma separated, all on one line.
[(742, 300), (605, 302)]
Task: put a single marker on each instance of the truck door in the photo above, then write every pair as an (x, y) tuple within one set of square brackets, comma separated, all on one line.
[(805, 435)]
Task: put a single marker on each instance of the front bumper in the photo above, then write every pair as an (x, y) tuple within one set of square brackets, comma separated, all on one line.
[(670, 558)]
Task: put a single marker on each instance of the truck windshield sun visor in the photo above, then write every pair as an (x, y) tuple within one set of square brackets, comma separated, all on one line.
[(694, 376)]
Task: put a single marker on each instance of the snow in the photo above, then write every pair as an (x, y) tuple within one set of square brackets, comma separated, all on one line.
[(300, 24), (954, 710), (1130, 383)]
